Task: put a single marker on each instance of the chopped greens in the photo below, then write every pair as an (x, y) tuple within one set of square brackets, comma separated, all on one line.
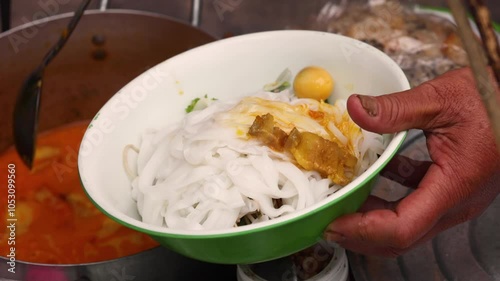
[(199, 103), (191, 106), (282, 82)]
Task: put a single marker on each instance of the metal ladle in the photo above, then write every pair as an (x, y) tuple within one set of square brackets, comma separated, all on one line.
[(26, 110)]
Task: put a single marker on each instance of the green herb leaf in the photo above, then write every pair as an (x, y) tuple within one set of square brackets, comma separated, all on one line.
[(192, 105)]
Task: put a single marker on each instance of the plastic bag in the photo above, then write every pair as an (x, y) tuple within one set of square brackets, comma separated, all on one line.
[(424, 44)]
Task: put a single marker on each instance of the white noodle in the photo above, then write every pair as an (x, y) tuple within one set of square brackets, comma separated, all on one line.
[(337, 133), (198, 174), (131, 173)]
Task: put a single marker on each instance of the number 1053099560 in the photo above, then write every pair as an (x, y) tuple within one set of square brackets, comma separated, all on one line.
[(11, 217)]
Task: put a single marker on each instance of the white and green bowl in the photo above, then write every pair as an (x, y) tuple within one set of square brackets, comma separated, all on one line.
[(228, 68)]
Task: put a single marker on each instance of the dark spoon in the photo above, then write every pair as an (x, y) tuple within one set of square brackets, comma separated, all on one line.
[(28, 102)]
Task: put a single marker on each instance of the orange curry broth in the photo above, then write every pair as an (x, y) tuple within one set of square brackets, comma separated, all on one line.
[(56, 222)]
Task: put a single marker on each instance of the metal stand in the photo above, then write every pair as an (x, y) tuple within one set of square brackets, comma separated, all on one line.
[(196, 12)]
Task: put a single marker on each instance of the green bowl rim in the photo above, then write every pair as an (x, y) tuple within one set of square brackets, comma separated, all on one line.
[(375, 173)]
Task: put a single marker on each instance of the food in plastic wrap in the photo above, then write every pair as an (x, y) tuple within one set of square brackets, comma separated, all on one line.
[(423, 44)]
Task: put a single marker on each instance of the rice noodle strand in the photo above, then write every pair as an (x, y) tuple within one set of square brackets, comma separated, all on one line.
[(203, 174)]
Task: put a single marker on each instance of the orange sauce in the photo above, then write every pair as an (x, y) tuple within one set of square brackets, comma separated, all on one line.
[(56, 222)]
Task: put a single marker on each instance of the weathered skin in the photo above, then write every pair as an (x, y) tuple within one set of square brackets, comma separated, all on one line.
[(457, 186)]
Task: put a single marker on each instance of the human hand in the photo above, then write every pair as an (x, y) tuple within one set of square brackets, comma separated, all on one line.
[(456, 186)]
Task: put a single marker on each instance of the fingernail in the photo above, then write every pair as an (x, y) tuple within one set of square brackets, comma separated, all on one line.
[(369, 104), (334, 236)]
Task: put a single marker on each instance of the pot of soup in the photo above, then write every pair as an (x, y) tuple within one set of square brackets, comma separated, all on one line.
[(52, 231)]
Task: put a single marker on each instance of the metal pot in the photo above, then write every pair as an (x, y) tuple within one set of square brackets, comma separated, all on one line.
[(106, 51)]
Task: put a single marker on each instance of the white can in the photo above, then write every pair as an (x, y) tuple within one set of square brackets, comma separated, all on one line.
[(322, 262)]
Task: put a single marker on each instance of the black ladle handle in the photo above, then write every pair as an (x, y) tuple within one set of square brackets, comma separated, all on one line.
[(5, 14), (66, 34)]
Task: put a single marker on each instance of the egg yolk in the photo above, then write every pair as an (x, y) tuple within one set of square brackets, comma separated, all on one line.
[(314, 83)]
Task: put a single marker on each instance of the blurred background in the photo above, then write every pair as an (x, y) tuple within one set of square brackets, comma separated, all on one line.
[(218, 17)]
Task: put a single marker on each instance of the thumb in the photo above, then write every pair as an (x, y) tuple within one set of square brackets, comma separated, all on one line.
[(418, 108)]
